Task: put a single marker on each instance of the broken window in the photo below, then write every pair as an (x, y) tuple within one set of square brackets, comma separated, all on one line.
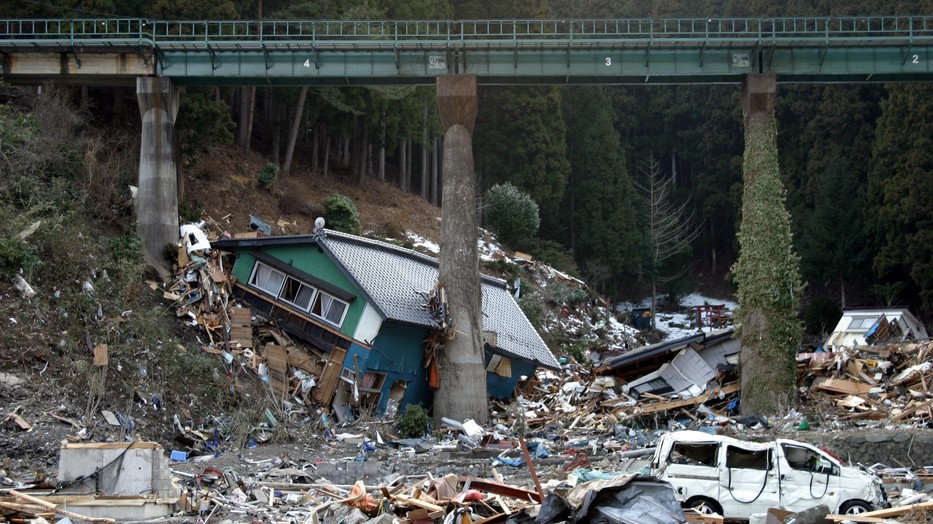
[(267, 279), (329, 308), (748, 459), (701, 454), (297, 293), (806, 459)]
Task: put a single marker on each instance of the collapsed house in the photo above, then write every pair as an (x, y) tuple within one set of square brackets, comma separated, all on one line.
[(374, 313), (865, 327), (681, 367)]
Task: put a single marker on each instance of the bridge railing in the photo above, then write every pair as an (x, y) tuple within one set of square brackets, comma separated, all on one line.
[(74, 32), (891, 30)]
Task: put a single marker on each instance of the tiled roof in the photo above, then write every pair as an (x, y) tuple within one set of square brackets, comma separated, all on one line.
[(395, 279)]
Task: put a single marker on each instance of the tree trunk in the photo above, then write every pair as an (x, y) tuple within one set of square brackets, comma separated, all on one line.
[(251, 109), (364, 151), (326, 145), (434, 177), (243, 116), (654, 301), (315, 146), (296, 124), (424, 152), (353, 147), (382, 151), (462, 392), (401, 165), (345, 150), (673, 170), (409, 148)]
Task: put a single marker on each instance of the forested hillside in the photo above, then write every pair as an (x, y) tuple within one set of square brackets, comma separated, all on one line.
[(856, 159)]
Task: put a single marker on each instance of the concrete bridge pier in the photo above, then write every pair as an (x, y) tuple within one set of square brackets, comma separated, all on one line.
[(462, 392), (157, 199)]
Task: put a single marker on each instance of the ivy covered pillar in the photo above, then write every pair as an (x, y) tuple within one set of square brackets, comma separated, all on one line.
[(462, 392), (767, 270), (157, 197)]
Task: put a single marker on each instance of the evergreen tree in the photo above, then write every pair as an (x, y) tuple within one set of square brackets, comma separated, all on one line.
[(832, 189), (900, 183), (520, 138), (599, 200)]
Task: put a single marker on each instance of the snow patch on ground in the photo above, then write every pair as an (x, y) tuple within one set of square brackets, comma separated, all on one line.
[(682, 323)]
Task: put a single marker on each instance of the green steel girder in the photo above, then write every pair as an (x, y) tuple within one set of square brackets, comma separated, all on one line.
[(496, 66)]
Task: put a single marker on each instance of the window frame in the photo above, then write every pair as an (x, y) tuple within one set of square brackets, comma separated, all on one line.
[(314, 292), (316, 295), (323, 316), (255, 273)]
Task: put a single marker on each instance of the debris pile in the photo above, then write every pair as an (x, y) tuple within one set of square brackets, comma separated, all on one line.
[(888, 383)]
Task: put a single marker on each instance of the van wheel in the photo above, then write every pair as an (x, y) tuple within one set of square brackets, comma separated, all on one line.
[(854, 507), (704, 505)]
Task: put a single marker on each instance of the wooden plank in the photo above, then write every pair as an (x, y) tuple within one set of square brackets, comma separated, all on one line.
[(49, 505), (502, 489), (301, 360), (112, 445), (324, 391), (277, 362), (910, 411), (674, 404), (835, 385), (881, 513), (412, 501)]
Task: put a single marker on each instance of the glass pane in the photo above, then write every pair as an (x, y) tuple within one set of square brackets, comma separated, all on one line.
[(304, 297), (268, 279), (297, 293), (335, 312), (275, 281)]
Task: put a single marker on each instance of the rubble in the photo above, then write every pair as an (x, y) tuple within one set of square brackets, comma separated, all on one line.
[(569, 433)]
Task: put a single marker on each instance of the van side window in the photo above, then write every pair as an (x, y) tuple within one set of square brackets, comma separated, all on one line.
[(806, 459), (748, 459), (693, 454)]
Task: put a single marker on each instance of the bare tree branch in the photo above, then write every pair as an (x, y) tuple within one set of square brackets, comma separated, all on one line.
[(670, 227)]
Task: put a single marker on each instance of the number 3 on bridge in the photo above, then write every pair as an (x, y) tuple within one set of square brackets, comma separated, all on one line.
[(608, 61)]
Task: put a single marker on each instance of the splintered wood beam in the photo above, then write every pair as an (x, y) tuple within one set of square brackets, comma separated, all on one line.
[(503, 489), (674, 404)]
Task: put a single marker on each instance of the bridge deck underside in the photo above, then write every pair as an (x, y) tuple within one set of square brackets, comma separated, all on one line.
[(297, 64)]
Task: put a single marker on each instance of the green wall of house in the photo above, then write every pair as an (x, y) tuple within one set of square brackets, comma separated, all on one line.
[(309, 259)]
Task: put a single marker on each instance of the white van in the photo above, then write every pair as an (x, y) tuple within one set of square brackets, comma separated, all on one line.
[(735, 478)]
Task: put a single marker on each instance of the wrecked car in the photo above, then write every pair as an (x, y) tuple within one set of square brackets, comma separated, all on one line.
[(735, 478)]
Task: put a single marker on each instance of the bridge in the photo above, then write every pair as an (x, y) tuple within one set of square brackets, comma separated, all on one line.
[(336, 52), (157, 56)]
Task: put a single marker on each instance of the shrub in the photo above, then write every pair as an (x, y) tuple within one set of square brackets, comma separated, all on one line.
[(413, 422), (202, 122), (15, 255), (512, 214), (533, 308), (342, 214), (267, 175)]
